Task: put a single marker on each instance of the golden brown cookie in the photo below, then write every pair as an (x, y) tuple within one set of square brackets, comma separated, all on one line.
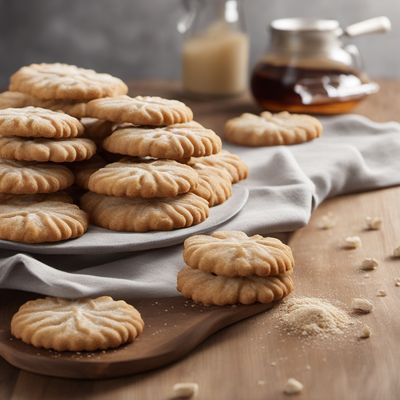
[(19, 177), (230, 162), (272, 129), (65, 82), (158, 178), (97, 129), (143, 215), (43, 150), (15, 100), (233, 253), (84, 169), (208, 289), (76, 325), (40, 219), (214, 184), (140, 110), (38, 122), (175, 142), (74, 108)]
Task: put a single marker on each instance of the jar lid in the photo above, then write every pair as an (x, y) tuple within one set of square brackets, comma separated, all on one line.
[(304, 25)]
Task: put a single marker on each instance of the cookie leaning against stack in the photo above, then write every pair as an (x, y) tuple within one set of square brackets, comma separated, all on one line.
[(233, 268)]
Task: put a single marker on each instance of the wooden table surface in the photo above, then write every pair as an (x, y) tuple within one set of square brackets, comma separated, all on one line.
[(232, 362)]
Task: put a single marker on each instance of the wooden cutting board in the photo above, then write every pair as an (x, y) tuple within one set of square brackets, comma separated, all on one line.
[(173, 328)]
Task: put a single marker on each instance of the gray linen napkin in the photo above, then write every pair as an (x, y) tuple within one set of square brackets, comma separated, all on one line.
[(286, 183)]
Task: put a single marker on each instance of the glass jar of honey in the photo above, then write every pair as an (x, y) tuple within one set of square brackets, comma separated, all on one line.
[(309, 69)]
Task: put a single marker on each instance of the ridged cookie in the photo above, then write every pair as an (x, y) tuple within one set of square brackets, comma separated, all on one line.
[(19, 177), (230, 162), (175, 142), (97, 129), (43, 150), (40, 219), (65, 82), (74, 108), (215, 184), (84, 169), (15, 100), (233, 253), (272, 129), (140, 110), (208, 289), (38, 122), (143, 215), (159, 178), (76, 325)]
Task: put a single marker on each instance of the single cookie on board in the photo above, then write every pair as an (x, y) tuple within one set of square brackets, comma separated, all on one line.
[(226, 160), (84, 169), (38, 122), (43, 150), (233, 253), (143, 215), (97, 129), (214, 184), (65, 82), (208, 289), (272, 129), (40, 219), (140, 110), (76, 325), (15, 100), (19, 177), (174, 142), (158, 178)]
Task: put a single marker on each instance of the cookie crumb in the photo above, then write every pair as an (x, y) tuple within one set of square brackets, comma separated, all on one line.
[(327, 221), (352, 242), (293, 386), (261, 382), (365, 332), (273, 364), (308, 367), (381, 293), (369, 264), (397, 282), (186, 390), (361, 305), (396, 252), (373, 223), (366, 276)]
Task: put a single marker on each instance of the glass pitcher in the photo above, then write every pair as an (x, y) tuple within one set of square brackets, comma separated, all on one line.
[(309, 69), (215, 48)]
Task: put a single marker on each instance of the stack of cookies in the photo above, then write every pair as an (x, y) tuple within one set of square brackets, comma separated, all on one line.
[(233, 268), (155, 168)]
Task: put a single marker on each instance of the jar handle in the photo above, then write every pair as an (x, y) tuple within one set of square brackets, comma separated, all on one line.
[(186, 21), (372, 25), (355, 55)]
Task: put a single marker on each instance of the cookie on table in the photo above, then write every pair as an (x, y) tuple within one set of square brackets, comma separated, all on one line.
[(15, 100), (208, 289), (233, 253), (65, 82), (174, 142), (140, 110), (38, 122), (225, 160), (146, 179), (77, 325), (40, 218), (272, 129), (19, 177), (215, 184), (142, 215), (44, 150), (84, 169)]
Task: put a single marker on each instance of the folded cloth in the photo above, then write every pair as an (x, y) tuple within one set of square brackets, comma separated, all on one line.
[(285, 183)]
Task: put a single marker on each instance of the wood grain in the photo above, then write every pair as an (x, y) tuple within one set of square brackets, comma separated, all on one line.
[(231, 362)]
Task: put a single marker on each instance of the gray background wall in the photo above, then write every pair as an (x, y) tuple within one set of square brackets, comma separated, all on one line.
[(138, 38)]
